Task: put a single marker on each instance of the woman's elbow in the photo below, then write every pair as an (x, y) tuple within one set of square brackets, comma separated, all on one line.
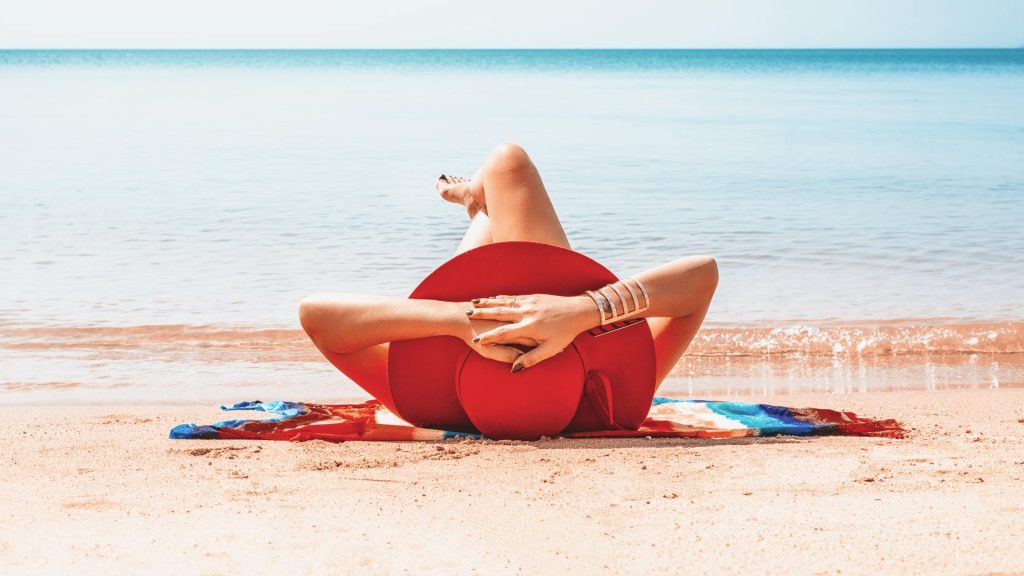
[(309, 313), (710, 268), (702, 274)]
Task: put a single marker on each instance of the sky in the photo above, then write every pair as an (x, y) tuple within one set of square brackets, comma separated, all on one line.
[(510, 23)]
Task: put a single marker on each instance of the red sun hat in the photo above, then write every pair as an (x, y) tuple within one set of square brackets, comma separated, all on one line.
[(604, 380)]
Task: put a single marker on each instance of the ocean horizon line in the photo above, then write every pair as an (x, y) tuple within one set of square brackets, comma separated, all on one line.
[(538, 49)]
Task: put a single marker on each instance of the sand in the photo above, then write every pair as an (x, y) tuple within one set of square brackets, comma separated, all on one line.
[(101, 490)]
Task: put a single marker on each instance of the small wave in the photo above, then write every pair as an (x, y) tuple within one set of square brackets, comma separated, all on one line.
[(190, 363), (165, 341), (36, 386), (282, 344), (863, 341)]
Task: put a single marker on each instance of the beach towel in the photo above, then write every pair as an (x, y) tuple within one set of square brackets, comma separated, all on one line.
[(668, 418)]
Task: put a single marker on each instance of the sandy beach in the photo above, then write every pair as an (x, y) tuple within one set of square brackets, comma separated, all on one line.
[(101, 490)]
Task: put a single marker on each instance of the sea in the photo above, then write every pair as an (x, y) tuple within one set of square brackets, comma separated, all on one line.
[(163, 212)]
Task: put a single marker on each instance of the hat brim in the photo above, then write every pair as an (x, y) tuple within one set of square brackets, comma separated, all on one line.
[(422, 372)]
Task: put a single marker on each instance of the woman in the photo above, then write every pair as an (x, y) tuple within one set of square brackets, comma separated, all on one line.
[(506, 201)]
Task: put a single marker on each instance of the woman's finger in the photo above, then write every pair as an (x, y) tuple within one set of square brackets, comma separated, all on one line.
[(523, 341), (497, 313), (546, 350), (500, 353), (493, 301), (500, 335)]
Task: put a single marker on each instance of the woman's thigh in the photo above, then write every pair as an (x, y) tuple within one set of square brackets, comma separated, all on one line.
[(518, 205), (672, 336), (368, 368)]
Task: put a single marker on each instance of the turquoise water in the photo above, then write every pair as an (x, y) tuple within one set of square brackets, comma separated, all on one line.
[(212, 187)]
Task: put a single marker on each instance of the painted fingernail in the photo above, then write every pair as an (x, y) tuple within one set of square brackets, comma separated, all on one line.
[(469, 312), (475, 300), (476, 339), (517, 368)]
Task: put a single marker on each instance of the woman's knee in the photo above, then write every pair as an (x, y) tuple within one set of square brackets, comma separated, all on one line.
[(510, 156), (311, 312)]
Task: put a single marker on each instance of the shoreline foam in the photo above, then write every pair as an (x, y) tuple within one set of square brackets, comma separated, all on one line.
[(161, 363), (856, 338)]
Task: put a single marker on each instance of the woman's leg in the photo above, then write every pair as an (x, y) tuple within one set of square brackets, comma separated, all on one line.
[(367, 367), (518, 208), (672, 336), (478, 233), (508, 173)]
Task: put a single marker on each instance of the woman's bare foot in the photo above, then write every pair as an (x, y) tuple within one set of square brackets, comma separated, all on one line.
[(456, 189)]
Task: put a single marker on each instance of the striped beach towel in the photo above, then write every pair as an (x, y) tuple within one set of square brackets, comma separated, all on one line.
[(668, 418)]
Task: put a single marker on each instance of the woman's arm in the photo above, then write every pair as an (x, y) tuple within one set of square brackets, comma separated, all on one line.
[(345, 323), (677, 289)]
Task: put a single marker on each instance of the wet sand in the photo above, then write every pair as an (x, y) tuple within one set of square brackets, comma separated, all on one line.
[(101, 490)]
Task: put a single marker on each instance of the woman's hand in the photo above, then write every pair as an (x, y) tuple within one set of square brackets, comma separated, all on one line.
[(506, 352), (545, 322)]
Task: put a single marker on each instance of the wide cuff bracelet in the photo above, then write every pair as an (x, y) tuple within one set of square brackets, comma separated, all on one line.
[(605, 301)]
